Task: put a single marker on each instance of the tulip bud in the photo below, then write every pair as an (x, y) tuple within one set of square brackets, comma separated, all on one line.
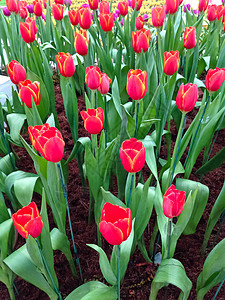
[(59, 2), (132, 155), (170, 62), (16, 72), (173, 202), (136, 84), (93, 120), (220, 12), (138, 3), (28, 89), (139, 22), (105, 84), (6, 11), (57, 11), (202, 5), (158, 16), (123, 8), (65, 64), (187, 97), (141, 40), (28, 30), (189, 39), (13, 5), (172, 6), (23, 13), (74, 17), (84, 16), (81, 42), (30, 8), (106, 21), (212, 12), (37, 5), (104, 7), (93, 77), (214, 79), (93, 4)]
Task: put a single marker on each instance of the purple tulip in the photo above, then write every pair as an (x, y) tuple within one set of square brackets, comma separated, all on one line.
[(6, 12), (122, 21), (146, 17), (30, 8), (85, 5), (187, 6), (130, 2), (43, 16), (67, 2)]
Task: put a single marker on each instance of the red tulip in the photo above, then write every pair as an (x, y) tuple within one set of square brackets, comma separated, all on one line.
[(170, 62), (84, 16), (202, 5), (158, 16), (93, 77), (74, 17), (23, 13), (59, 2), (141, 40), (138, 3), (28, 89), (139, 22), (104, 7), (214, 79), (187, 97), (65, 64), (93, 120), (136, 84), (172, 6), (28, 29), (189, 39), (23, 3), (13, 5), (57, 11), (37, 5), (93, 4), (132, 155), (48, 141), (116, 223), (81, 42), (123, 8), (220, 12), (212, 12), (106, 21), (173, 202), (16, 72), (105, 84), (27, 220)]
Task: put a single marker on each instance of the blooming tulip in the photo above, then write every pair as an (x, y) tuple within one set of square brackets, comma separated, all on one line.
[(212, 12), (48, 141), (170, 62), (141, 40), (28, 29), (93, 4), (187, 97), (139, 22), (105, 84), (81, 42), (59, 2), (30, 8), (116, 223), (136, 84), (23, 13), (93, 77), (106, 21), (123, 8), (74, 17), (65, 64), (93, 120), (57, 11), (132, 155), (27, 220), (16, 72), (13, 5), (189, 39), (104, 7), (28, 89), (37, 5), (202, 5), (173, 202), (138, 3), (172, 6), (158, 16), (84, 16), (214, 79), (220, 12)]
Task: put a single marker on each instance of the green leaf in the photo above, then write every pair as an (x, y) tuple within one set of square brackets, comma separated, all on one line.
[(109, 197), (215, 162), (6, 165), (16, 122), (150, 155), (116, 97), (24, 189)]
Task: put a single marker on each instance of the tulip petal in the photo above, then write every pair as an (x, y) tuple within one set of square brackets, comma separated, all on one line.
[(34, 227), (112, 234), (53, 149)]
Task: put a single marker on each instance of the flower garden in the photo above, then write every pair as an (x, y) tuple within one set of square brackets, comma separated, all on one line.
[(112, 150)]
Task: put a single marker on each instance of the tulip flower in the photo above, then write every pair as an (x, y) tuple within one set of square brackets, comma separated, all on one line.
[(173, 202), (116, 223), (138, 3), (13, 5), (106, 21), (28, 89), (48, 141), (172, 6), (105, 84), (30, 8), (220, 12), (93, 4), (123, 8), (81, 42), (28, 30), (212, 12), (84, 17), (65, 64), (136, 84), (187, 97), (202, 5), (93, 120), (141, 40), (214, 79), (74, 17), (23, 13), (93, 77), (6, 11), (27, 220), (59, 2), (16, 72), (104, 7), (132, 155), (170, 62), (57, 11), (158, 16), (189, 39), (37, 5), (139, 22)]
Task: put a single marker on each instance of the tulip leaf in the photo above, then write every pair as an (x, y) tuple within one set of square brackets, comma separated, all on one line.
[(5, 228), (16, 122), (116, 97), (33, 251), (171, 271), (109, 197), (3, 209), (214, 163), (178, 170), (149, 145), (6, 163)]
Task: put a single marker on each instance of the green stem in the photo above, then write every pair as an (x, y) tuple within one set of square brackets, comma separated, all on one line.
[(186, 64), (137, 111), (217, 292), (169, 237), (168, 138), (93, 99), (105, 122), (91, 209), (7, 148), (94, 144), (160, 49), (118, 273), (130, 191), (11, 293), (35, 61)]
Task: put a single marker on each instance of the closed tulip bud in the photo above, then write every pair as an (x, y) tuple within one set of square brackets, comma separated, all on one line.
[(81, 42), (123, 8), (212, 12), (29, 90), (116, 223), (132, 155), (28, 30), (214, 79), (93, 4), (23, 13), (93, 120), (141, 40), (37, 8), (48, 141), (6, 11), (84, 16), (136, 84), (220, 12), (57, 11), (65, 64), (30, 8), (172, 6), (138, 3), (106, 21), (189, 39), (187, 97), (105, 84), (74, 17), (139, 22), (16, 72), (158, 16), (27, 220), (173, 202), (93, 77), (202, 5), (104, 7), (59, 2), (170, 62), (13, 5)]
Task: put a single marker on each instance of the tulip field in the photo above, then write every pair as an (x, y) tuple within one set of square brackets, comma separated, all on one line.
[(112, 150)]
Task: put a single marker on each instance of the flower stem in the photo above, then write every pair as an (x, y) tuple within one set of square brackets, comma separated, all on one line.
[(131, 187), (118, 273), (137, 111), (95, 99), (94, 144), (169, 237), (105, 122), (217, 292)]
